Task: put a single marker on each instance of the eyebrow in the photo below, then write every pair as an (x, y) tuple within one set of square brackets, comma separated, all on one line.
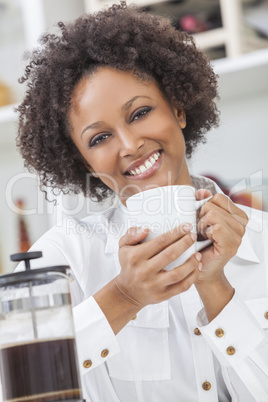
[(124, 108)]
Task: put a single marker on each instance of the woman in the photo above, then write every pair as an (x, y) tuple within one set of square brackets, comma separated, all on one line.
[(113, 106)]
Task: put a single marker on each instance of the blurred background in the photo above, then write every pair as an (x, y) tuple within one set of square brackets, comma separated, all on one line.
[(234, 35)]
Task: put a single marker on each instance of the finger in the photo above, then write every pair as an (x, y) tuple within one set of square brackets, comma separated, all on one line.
[(217, 215), (178, 274), (154, 246), (183, 285), (173, 251), (202, 193), (134, 235), (224, 202), (223, 240)]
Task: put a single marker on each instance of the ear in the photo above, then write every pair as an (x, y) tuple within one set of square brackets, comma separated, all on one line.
[(181, 117), (94, 174), (89, 168)]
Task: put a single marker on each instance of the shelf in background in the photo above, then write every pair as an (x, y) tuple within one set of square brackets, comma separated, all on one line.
[(243, 62), (228, 35), (244, 75)]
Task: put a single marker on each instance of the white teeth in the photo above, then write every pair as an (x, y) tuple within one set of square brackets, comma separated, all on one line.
[(147, 164), (142, 168), (156, 156)]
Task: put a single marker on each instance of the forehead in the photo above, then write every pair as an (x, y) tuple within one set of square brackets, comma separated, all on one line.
[(108, 84)]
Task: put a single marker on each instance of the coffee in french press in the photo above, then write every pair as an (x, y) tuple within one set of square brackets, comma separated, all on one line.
[(38, 358)]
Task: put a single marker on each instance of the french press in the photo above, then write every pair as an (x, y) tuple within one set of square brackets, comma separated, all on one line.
[(38, 358)]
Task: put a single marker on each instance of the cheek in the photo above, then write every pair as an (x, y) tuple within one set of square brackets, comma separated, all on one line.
[(173, 138), (106, 168), (166, 124), (103, 162)]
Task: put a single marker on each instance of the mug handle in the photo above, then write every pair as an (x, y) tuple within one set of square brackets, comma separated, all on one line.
[(203, 243), (199, 203)]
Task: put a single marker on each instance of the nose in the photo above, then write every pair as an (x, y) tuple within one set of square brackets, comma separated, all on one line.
[(129, 142)]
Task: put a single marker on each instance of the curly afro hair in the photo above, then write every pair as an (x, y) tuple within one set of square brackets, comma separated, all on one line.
[(122, 37)]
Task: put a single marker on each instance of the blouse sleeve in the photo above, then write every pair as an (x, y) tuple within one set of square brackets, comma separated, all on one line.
[(95, 339), (239, 340)]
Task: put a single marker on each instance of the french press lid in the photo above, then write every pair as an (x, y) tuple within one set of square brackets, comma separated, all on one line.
[(29, 275), (30, 279)]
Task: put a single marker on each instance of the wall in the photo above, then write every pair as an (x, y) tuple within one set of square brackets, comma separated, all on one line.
[(238, 148)]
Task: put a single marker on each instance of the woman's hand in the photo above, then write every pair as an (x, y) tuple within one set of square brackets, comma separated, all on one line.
[(143, 280), (224, 224)]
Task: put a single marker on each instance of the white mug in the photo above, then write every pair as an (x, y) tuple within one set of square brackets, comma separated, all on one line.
[(164, 208)]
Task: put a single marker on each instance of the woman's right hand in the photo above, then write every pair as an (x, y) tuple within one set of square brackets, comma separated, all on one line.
[(143, 279)]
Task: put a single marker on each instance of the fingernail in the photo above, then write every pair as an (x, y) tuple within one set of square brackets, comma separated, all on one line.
[(193, 236), (200, 266), (145, 227), (198, 256), (138, 230), (187, 227)]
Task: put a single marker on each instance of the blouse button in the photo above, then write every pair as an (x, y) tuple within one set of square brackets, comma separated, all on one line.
[(104, 353), (230, 350), (219, 332), (87, 363), (197, 331), (266, 315), (206, 386)]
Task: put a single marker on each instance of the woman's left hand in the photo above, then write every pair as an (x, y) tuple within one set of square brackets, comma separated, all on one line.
[(224, 224)]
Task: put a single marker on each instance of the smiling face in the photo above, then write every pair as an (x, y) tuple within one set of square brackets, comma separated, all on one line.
[(127, 132)]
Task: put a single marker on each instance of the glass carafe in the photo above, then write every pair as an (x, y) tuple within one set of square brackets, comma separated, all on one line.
[(38, 359)]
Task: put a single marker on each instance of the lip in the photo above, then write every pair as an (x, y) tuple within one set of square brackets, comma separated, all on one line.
[(141, 161), (148, 172)]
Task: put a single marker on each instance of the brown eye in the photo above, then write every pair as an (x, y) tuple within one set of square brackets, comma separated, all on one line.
[(98, 139), (139, 114)]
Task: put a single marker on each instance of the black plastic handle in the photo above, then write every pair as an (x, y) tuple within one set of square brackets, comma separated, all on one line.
[(26, 257)]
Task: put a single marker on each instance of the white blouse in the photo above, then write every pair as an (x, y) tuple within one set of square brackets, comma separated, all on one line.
[(168, 352)]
